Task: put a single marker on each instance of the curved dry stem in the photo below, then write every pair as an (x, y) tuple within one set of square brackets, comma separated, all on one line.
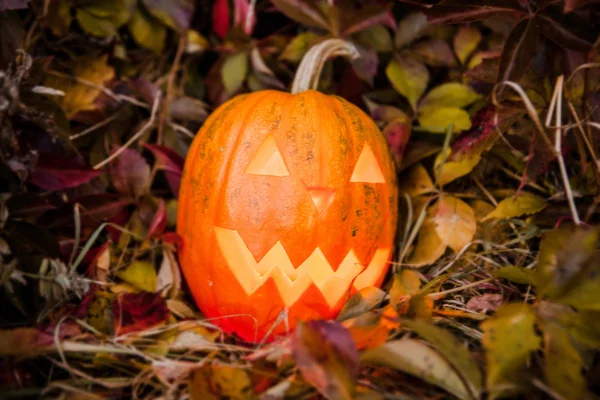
[(312, 64)]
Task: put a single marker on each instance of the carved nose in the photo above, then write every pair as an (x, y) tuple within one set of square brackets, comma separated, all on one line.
[(322, 197)]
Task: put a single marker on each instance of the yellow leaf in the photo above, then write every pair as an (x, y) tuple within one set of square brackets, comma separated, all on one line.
[(298, 46), (141, 275), (453, 94), (221, 381), (455, 169), (511, 207), (147, 31), (78, 96), (417, 182), (100, 313), (409, 77), (406, 283), (436, 119), (454, 222), (429, 245), (465, 42), (195, 42), (509, 337)]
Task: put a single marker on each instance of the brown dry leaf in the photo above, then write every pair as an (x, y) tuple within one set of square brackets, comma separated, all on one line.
[(168, 280), (429, 245), (486, 302), (79, 96), (168, 370), (361, 302), (454, 222), (406, 284), (326, 355), (465, 42), (417, 181)]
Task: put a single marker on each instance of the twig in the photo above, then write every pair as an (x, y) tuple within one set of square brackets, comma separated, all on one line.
[(135, 137), (458, 289), (170, 85), (556, 109), (94, 127)]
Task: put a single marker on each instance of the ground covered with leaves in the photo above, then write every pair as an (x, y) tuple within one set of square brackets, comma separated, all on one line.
[(491, 109)]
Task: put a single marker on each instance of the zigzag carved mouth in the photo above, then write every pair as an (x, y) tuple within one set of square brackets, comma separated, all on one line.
[(292, 282)]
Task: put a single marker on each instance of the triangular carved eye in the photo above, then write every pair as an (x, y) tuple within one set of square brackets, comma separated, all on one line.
[(268, 160), (367, 168)]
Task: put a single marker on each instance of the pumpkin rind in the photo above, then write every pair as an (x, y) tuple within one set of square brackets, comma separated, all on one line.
[(310, 206)]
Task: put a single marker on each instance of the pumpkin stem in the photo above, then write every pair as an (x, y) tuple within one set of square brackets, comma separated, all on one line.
[(309, 70)]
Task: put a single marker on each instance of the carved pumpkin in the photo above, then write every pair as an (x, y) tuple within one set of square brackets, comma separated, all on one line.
[(287, 202)]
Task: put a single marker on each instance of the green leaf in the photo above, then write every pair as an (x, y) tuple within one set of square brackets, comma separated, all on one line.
[(509, 337), (436, 119), (147, 31), (452, 350), (298, 46), (377, 37), (563, 363), (234, 71), (465, 42), (141, 275), (526, 203), (451, 94), (96, 26), (418, 359), (516, 274), (409, 77)]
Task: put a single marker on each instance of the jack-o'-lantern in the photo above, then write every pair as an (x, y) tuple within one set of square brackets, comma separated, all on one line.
[(287, 206)]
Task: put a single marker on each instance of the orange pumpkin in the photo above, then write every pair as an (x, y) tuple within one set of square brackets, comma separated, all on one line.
[(287, 202)]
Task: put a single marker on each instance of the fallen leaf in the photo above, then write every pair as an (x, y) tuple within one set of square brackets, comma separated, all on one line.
[(78, 96), (454, 222), (416, 358), (135, 312), (409, 77), (147, 31), (509, 337), (486, 302), (53, 172), (130, 174), (100, 313), (169, 371), (304, 11), (410, 27), (451, 94), (24, 341), (434, 52), (516, 274), (141, 275), (176, 14), (169, 276), (465, 42), (159, 221), (298, 46), (519, 49), (563, 365), (417, 181), (436, 119), (397, 133), (171, 163), (451, 170), (453, 350), (526, 203), (215, 382), (429, 245), (368, 330), (327, 357), (362, 301), (234, 71)]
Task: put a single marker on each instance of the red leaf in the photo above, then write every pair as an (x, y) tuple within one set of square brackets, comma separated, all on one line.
[(561, 35), (54, 172), (172, 238), (130, 174), (540, 158), (520, 48), (240, 13), (481, 135), (453, 12), (220, 17), (119, 219), (326, 355), (571, 5), (170, 162), (368, 16), (159, 221), (28, 205), (135, 312), (397, 134)]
